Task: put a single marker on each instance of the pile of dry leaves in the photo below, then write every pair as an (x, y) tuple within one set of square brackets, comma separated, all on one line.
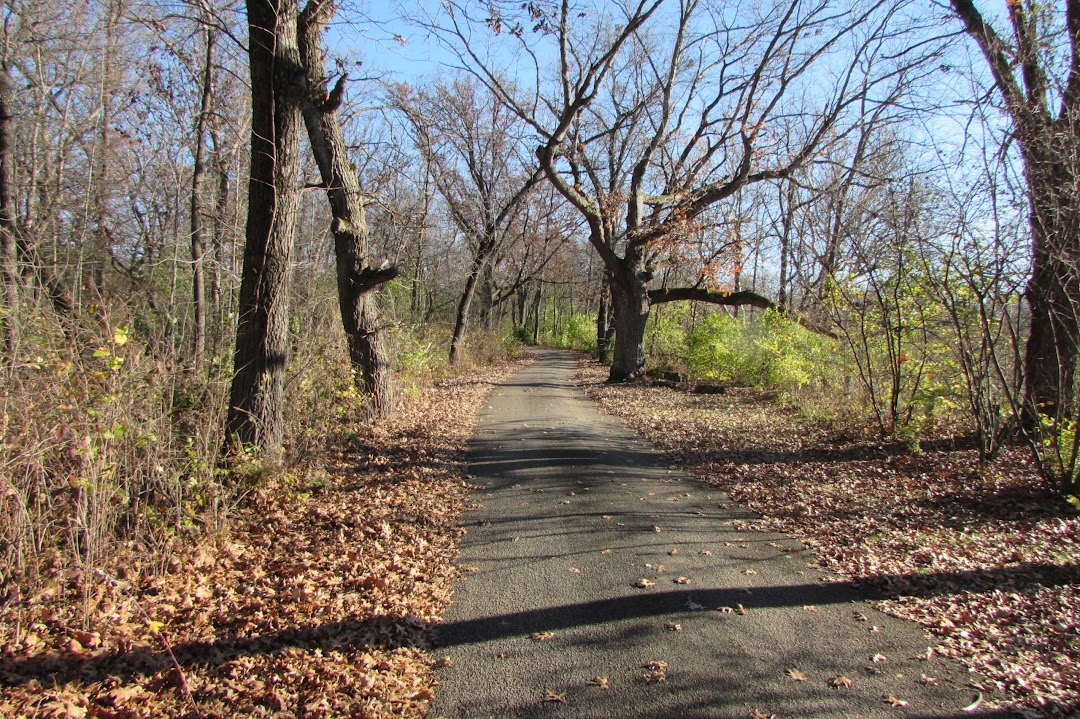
[(316, 601), (982, 556)]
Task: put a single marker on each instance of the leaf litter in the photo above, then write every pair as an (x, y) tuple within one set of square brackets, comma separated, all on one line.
[(982, 556), (316, 599)]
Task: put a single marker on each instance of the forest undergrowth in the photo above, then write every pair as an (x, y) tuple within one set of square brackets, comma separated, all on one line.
[(984, 557), (315, 599)]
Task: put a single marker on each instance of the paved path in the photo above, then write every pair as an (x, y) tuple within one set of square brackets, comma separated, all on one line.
[(571, 510)]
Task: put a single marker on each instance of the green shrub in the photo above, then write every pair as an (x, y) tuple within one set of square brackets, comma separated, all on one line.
[(575, 332), (769, 351), (665, 336)]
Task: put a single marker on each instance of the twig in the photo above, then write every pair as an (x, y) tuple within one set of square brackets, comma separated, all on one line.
[(161, 637)]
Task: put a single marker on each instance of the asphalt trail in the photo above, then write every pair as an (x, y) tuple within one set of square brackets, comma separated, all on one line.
[(571, 509)]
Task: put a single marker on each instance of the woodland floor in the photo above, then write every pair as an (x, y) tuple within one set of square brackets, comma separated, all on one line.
[(316, 601), (981, 556)]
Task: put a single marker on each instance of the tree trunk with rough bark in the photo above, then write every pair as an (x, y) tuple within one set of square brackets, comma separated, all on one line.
[(1053, 292), (9, 264), (630, 302), (198, 177), (603, 334), (278, 86), (461, 322), (355, 280)]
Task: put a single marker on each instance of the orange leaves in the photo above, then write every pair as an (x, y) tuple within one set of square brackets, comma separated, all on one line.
[(339, 591)]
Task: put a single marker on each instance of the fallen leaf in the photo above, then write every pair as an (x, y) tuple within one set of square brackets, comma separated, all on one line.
[(810, 608), (543, 636), (758, 714), (554, 697), (841, 682), (893, 701), (749, 572), (796, 674), (673, 627), (599, 682), (681, 580), (644, 583), (877, 658)]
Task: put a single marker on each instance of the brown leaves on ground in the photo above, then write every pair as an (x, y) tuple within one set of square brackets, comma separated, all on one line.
[(797, 674), (982, 556), (315, 601)]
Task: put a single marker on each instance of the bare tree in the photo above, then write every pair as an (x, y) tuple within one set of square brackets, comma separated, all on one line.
[(1036, 71), (473, 145), (355, 278), (645, 132)]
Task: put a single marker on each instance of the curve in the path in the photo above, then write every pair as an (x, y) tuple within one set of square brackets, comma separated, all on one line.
[(571, 510)]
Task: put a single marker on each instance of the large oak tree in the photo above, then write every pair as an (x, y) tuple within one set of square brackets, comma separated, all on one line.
[(656, 114)]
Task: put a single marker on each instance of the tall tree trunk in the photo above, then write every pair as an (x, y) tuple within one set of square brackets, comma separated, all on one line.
[(277, 92), (198, 176), (461, 322), (9, 265), (603, 328), (355, 280), (102, 235), (536, 311), (630, 302), (788, 210), (221, 225), (1053, 293), (486, 297)]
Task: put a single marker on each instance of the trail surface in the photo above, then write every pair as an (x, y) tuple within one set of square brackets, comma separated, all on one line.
[(572, 510)]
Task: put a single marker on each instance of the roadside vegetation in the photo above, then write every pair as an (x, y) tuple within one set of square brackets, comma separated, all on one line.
[(246, 315), (981, 551)]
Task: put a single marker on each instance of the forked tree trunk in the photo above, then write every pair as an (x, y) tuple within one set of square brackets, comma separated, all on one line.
[(277, 90), (355, 280)]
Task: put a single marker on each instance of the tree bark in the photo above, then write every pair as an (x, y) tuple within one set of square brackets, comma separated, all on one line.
[(603, 324), (9, 265), (198, 177), (630, 302), (1053, 294), (277, 90), (461, 322), (1050, 147), (355, 280)]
